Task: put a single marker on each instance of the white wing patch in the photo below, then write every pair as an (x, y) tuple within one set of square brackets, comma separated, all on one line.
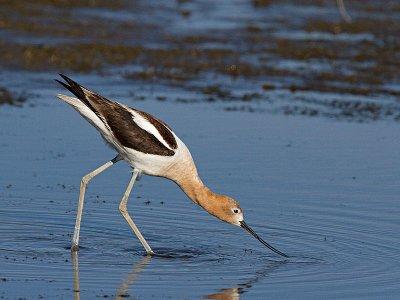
[(146, 125)]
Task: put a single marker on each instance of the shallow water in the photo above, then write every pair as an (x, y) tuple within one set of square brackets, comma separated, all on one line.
[(261, 94), (324, 192)]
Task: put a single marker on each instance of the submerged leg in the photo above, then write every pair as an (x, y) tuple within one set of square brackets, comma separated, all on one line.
[(84, 182), (125, 214)]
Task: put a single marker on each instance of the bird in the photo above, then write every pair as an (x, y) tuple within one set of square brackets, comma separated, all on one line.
[(152, 148)]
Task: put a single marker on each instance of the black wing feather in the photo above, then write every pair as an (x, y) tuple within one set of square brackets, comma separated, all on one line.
[(121, 122)]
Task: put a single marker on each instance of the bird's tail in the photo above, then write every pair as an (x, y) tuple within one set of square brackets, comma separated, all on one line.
[(70, 100), (91, 99), (85, 102)]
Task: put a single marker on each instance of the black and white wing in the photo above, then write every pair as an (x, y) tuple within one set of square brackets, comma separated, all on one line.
[(129, 127)]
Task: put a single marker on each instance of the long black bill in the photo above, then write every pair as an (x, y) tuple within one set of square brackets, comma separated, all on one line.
[(252, 232)]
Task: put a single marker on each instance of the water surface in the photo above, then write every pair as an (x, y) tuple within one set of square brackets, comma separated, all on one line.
[(284, 106), (323, 192)]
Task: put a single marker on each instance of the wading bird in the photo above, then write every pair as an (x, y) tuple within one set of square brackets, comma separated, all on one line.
[(150, 147)]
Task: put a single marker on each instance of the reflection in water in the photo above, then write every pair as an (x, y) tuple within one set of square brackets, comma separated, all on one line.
[(226, 294), (138, 267), (122, 291), (234, 292), (75, 269)]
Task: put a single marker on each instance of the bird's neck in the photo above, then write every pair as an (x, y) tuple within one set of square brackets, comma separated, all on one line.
[(186, 176), (199, 193)]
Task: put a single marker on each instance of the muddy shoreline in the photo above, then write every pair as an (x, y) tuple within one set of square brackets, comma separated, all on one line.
[(286, 47)]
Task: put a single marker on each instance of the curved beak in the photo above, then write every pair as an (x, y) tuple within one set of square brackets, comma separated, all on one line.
[(253, 233)]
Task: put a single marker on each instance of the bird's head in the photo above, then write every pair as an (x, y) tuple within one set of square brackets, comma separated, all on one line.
[(228, 210)]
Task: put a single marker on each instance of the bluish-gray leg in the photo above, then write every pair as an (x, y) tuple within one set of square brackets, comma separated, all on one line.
[(124, 211), (84, 182)]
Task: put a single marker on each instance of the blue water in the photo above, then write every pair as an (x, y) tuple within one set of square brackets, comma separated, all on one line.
[(322, 187), (324, 192)]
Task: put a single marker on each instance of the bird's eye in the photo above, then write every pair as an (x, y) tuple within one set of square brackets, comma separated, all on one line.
[(235, 211)]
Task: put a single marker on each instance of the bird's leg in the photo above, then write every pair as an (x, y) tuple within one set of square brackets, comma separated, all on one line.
[(139, 176), (84, 182), (124, 211), (75, 268)]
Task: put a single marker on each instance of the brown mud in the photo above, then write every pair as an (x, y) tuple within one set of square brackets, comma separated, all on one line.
[(6, 97), (300, 48)]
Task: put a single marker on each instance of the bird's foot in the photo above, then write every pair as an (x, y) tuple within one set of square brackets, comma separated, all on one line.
[(74, 247), (150, 253)]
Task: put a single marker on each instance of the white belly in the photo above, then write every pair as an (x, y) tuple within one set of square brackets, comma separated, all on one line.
[(157, 165)]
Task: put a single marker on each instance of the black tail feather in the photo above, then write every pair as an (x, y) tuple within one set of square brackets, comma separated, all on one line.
[(76, 89), (65, 85), (73, 87)]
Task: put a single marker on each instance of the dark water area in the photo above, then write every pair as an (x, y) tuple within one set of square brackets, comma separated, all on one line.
[(284, 106)]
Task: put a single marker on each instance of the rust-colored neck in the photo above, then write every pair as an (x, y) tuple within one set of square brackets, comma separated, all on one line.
[(184, 173), (195, 189)]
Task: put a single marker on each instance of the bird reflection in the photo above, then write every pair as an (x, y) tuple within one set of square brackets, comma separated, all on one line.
[(226, 294), (138, 267), (75, 270), (122, 291), (234, 293)]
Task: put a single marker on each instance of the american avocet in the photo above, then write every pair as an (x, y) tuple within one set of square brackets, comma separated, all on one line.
[(150, 147)]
